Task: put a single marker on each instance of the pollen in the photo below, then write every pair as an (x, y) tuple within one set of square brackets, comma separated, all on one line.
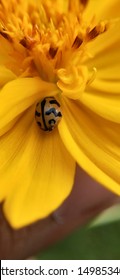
[(43, 40)]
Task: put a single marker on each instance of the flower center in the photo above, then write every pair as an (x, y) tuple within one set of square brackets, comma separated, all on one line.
[(49, 41)]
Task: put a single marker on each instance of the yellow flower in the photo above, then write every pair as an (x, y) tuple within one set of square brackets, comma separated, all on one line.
[(69, 50)]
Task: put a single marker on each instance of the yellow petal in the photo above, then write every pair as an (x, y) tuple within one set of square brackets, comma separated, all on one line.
[(107, 57), (102, 9), (41, 172), (93, 142), (11, 144), (6, 75), (106, 54), (105, 48), (18, 95), (102, 102), (103, 94), (7, 127)]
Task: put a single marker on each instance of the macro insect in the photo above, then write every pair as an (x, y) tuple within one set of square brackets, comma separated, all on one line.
[(48, 113)]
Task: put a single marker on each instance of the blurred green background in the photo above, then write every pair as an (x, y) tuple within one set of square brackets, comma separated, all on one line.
[(98, 240)]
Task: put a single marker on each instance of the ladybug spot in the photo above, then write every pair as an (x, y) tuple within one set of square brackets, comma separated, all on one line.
[(54, 102), (53, 110), (37, 114), (39, 124), (52, 122)]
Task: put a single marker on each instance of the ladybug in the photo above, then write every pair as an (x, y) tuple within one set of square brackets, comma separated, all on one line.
[(48, 113)]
